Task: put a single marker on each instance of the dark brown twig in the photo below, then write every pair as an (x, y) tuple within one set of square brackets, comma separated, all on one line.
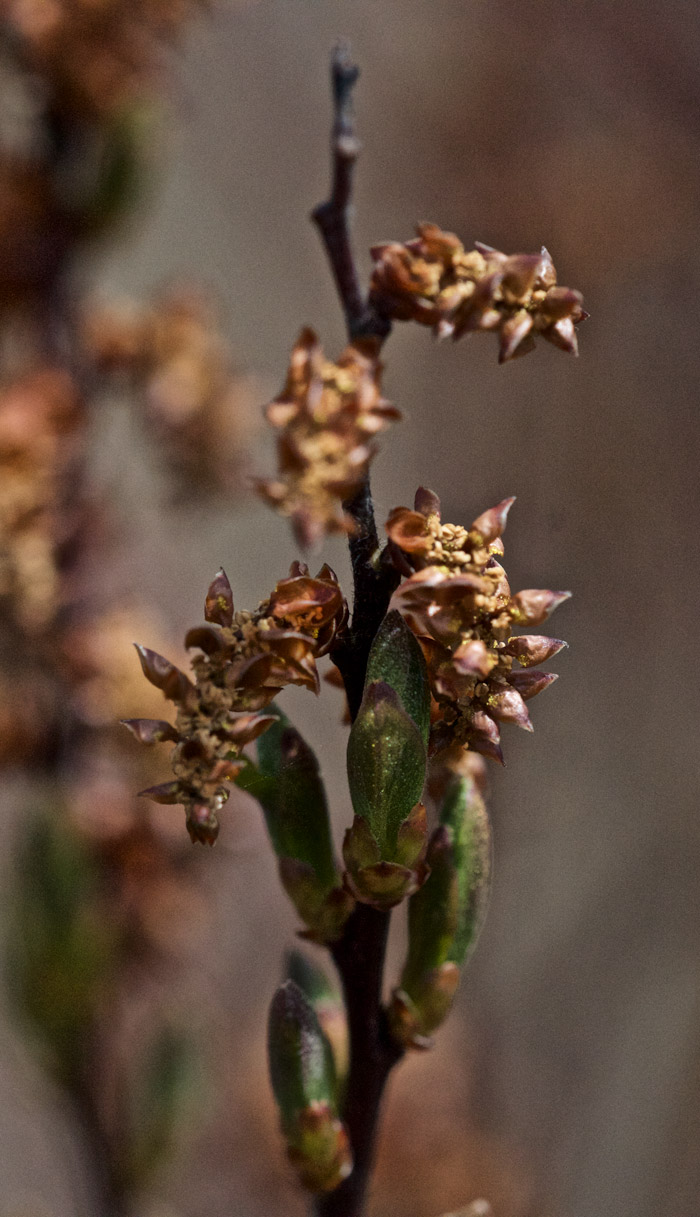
[(359, 955), (333, 217)]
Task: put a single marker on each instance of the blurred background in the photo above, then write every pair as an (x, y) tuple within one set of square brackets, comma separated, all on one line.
[(566, 1083)]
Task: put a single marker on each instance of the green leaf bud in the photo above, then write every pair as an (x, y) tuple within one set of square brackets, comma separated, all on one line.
[(288, 785), (305, 1088), (386, 765), (397, 659), (445, 916)]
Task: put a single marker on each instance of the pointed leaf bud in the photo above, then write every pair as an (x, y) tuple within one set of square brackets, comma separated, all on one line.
[(151, 730), (288, 785), (397, 659), (386, 765), (533, 649), (301, 1068), (293, 799), (218, 606), (534, 605), (327, 1001), (491, 524), (445, 916), (304, 1084), (530, 683)]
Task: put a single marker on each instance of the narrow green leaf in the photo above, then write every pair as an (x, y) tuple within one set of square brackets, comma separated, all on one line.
[(397, 659), (386, 765)]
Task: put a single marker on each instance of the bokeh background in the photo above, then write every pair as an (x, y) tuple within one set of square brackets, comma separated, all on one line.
[(566, 1084)]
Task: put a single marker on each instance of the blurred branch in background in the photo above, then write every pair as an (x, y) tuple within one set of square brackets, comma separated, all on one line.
[(107, 902)]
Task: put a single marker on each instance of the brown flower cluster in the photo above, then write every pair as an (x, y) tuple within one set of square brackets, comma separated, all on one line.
[(199, 408), (435, 281), (96, 54), (39, 420), (245, 660), (327, 417), (458, 602)]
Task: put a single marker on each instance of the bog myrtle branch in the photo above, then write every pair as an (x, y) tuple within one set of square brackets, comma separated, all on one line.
[(429, 663)]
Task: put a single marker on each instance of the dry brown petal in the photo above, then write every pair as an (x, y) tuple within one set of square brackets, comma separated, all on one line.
[(484, 725), (491, 524), (408, 530), (166, 792), (514, 333), (305, 601), (427, 502), (473, 658), (530, 683), (165, 676), (534, 605), (520, 275), (563, 335), (247, 727), (533, 649), (508, 707), (218, 606), (206, 638), (151, 730)]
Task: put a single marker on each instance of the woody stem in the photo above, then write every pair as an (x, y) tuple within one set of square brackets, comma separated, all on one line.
[(359, 955)]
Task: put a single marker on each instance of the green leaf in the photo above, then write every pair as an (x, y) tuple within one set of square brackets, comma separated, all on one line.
[(386, 765), (61, 951), (288, 785), (397, 659), (161, 1102), (301, 1062)]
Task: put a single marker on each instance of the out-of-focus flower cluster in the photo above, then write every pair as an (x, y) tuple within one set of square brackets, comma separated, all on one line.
[(245, 660), (327, 417), (199, 409), (458, 602), (434, 280), (95, 54), (39, 419)]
